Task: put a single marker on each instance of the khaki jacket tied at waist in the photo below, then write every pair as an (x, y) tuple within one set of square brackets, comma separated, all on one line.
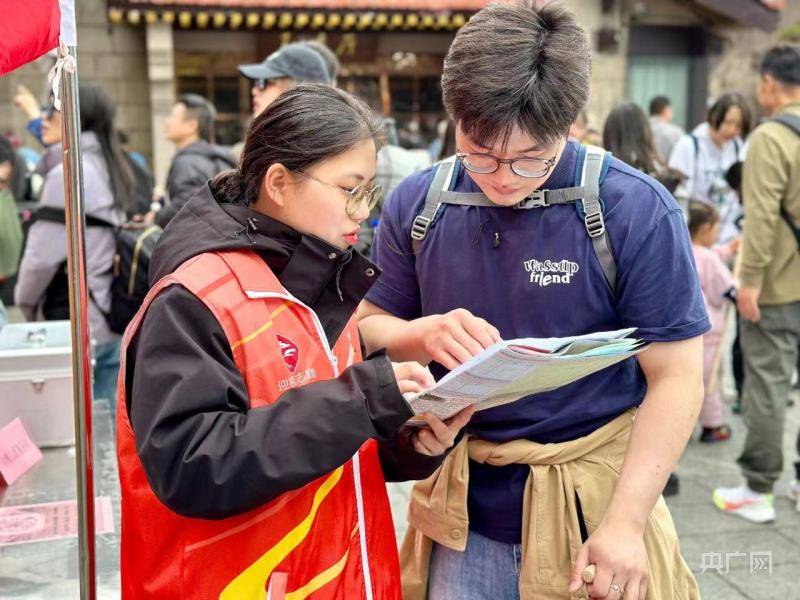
[(586, 468)]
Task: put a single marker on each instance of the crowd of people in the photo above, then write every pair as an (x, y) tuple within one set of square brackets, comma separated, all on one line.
[(705, 171), (264, 372)]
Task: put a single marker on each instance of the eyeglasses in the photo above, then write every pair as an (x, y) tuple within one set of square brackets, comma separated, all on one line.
[(355, 196), (261, 84), (477, 162)]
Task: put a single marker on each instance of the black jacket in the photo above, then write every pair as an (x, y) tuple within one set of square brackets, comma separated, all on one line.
[(204, 451), (191, 167)]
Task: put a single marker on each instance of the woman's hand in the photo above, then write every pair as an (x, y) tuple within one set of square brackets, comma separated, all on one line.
[(412, 377), (438, 436), (620, 558)]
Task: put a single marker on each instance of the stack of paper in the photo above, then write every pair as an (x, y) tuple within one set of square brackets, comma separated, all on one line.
[(512, 369)]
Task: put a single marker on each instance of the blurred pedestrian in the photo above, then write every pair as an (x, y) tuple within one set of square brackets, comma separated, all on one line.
[(282, 70), (769, 295), (394, 164), (136, 156), (10, 227), (190, 127), (719, 288), (627, 134), (703, 156), (109, 195), (25, 101), (665, 133), (51, 157), (24, 161)]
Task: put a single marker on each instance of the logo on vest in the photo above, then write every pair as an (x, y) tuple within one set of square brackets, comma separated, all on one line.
[(290, 353), (548, 272)]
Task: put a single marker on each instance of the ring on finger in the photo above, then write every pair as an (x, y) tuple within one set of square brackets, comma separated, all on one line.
[(617, 588)]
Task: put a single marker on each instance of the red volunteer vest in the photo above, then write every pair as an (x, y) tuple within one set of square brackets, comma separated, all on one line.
[(331, 539)]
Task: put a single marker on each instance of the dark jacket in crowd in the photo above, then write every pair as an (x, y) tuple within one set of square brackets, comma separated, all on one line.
[(202, 448), (191, 167)]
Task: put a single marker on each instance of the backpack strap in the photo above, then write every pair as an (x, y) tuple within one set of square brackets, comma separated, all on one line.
[(54, 214), (57, 215), (537, 199), (595, 162), (793, 123), (441, 182), (790, 121)]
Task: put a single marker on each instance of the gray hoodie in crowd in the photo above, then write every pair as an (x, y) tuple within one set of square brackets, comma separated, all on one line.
[(191, 168), (46, 248)]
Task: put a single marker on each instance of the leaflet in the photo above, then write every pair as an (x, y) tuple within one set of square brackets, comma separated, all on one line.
[(512, 369)]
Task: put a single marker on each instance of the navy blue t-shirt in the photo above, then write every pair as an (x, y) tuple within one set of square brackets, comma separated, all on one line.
[(511, 285)]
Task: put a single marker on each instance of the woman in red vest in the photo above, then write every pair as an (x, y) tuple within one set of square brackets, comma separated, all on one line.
[(253, 441)]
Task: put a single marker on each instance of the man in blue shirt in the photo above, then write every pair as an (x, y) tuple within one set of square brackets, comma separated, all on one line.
[(514, 79)]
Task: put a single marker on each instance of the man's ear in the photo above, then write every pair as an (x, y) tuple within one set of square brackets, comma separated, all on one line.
[(195, 126), (276, 181)]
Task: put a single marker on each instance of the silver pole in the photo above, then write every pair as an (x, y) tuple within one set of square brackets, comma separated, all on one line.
[(78, 313)]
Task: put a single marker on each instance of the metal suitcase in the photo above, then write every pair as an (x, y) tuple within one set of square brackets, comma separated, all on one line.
[(36, 380)]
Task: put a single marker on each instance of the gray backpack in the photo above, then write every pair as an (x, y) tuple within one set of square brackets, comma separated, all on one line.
[(793, 123), (585, 194)]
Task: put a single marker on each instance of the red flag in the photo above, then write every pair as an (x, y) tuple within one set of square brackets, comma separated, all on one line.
[(28, 29)]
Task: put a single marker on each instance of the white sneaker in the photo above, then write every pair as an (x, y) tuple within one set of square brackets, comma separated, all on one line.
[(794, 494), (744, 502)]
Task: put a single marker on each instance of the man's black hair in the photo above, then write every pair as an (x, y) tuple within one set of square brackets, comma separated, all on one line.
[(658, 104), (202, 111), (517, 65), (783, 63)]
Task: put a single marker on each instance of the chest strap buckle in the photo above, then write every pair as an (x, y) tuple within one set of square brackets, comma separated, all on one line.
[(537, 199)]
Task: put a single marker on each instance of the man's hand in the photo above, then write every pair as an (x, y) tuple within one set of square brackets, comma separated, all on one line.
[(453, 338), (438, 436), (747, 302), (620, 558)]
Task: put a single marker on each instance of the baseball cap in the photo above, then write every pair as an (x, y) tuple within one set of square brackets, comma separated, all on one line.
[(296, 60)]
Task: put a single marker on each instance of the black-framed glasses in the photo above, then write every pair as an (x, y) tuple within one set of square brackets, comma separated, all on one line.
[(355, 196), (479, 162)]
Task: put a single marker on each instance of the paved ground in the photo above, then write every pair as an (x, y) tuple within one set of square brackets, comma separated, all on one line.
[(703, 530)]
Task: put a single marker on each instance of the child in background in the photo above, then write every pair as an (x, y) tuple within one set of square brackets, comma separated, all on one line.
[(718, 287)]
